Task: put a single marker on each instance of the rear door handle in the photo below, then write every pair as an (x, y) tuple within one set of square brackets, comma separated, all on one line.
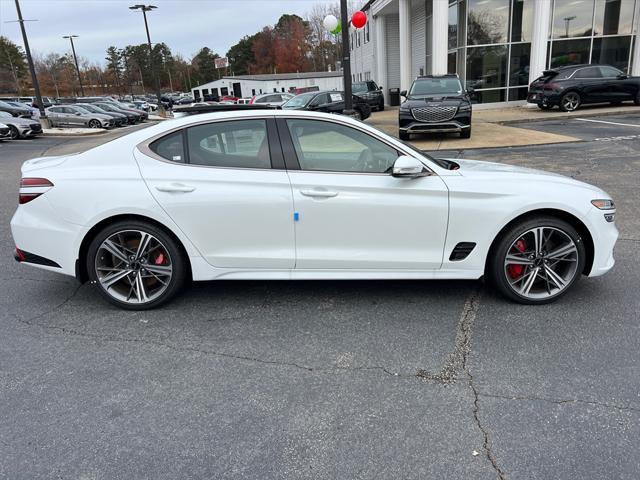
[(318, 193), (175, 188)]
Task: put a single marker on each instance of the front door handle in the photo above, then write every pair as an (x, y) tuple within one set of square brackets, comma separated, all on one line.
[(175, 188), (318, 193)]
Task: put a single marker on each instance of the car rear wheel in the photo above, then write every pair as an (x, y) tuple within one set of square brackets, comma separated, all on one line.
[(636, 100), (14, 134), (537, 260), (570, 101), (136, 265), (94, 124)]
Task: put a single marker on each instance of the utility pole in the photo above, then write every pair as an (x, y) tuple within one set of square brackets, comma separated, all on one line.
[(75, 60), (34, 77), (346, 59), (145, 9)]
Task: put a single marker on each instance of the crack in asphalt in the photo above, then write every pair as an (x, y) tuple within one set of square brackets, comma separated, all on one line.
[(561, 401)]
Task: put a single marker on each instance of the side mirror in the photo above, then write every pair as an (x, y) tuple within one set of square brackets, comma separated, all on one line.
[(408, 167), (403, 93), (471, 90), (623, 76), (379, 87)]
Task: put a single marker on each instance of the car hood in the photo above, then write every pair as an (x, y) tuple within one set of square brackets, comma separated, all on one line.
[(515, 174), (22, 122), (434, 100)]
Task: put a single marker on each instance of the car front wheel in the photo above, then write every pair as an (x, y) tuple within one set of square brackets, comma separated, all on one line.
[(13, 132), (570, 101), (537, 260), (136, 265), (94, 124)]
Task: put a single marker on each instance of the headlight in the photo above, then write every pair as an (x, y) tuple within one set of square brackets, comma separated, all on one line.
[(465, 107), (604, 204)]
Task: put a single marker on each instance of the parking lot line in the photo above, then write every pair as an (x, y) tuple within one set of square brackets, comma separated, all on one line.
[(610, 123)]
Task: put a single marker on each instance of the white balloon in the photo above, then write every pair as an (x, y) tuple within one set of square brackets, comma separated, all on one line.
[(330, 22)]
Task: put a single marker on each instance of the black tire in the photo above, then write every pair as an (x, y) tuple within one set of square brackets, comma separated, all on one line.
[(636, 99), (566, 96), (381, 106), (542, 106), (402, 135), (465, 133), (496, 270), (178, 262), (95, 124), (14, 134)]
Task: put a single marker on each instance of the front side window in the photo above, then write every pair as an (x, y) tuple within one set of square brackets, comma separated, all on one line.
[(590, 72), (610, 72), (235, 144), (328, 146)]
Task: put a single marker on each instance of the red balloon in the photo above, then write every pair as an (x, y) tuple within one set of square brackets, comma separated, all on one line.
[(359, 19)]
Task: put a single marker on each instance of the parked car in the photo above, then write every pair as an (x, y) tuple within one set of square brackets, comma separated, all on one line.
[(141, 105), (330, 102), (23, 111), (111, 108), (119, 119), (571, 86), (20, 127), (435, 103), (332, 198), (33, 102), (75, 116), (35, 113), (370, 92), (5, 132), (274, 99), (143, 115)]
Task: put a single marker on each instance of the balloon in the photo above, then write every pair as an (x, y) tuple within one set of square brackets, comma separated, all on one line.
[(330, 23), (359, 19), (337, 30)]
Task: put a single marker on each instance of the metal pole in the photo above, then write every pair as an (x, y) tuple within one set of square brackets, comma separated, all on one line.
[(346, 59), (75, 60), (34, 77), (153, 69)]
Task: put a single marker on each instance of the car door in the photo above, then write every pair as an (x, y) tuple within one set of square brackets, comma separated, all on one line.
[(351, 212), (72, 118), (56, 116), (618, 84), (224, 184), (592, 86)]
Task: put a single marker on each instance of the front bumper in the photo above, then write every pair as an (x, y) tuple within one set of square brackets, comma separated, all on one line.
[(605, 234), (461, 121)]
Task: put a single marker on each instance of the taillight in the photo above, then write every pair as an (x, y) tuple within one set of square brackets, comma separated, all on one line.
[(551, 86), (31, 188), (252, 100)]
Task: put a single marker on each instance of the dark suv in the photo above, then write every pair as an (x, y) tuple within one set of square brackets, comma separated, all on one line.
[(435, 103), (573, 85), (329, 102), (369, 92)]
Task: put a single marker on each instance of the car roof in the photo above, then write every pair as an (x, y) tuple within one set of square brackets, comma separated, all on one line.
[(447, 75)]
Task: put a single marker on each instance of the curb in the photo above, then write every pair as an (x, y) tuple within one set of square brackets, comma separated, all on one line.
[(91, 133), (562, 116), (433, 152)]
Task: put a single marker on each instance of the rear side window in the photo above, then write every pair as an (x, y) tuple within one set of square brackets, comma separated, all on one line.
[(234, 144), (169, 147)]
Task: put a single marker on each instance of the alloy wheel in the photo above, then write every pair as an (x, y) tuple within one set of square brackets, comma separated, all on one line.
[(571, 101), (14, 132), (541, 263), (94, 124), (133, 266)]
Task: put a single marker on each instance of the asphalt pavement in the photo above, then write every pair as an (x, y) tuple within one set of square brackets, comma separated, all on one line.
[(329, 380)]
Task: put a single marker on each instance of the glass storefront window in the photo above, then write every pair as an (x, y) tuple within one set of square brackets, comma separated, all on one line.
[(453, 26), (522, 22), (613, 17), (487, 67), (451, 62), (570, 52), (487, 22), (519, 64), (572, 18), (516, 94), (612, 51), (489, 96)]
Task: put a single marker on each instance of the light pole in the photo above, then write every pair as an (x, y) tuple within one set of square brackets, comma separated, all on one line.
[(34, 77), (145, 9), (346, 59), (75, 60), (566, 24)]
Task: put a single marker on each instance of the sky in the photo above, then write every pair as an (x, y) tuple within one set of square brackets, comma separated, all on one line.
[(184, 25)]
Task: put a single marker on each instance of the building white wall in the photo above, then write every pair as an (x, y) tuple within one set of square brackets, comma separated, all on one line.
[(392, 36), (418, 38), (268, 86), (363, 56)]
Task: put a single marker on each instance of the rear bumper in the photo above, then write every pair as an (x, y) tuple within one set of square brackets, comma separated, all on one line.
[(543, 98)]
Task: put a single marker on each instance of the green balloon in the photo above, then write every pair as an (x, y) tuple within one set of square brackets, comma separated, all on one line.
[(337, 30)]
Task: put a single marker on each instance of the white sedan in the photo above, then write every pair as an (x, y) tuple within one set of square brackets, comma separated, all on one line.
[(271, 194)]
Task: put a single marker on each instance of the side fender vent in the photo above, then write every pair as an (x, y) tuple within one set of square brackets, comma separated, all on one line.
[(461, 251)]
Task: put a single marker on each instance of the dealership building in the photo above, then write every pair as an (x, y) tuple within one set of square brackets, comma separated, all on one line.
[(496, 47)]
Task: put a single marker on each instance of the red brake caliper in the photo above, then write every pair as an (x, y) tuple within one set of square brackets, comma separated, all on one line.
[(516, 270), (159, 260)]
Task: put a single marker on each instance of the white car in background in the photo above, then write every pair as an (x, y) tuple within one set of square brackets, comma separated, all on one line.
[(271, 99), (275, 194)]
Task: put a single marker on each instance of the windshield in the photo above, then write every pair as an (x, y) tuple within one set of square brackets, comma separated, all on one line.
[(436, 86), (5, 115), (5, 104), (108, 108), (299, 100), (359, 87), (90, 108)]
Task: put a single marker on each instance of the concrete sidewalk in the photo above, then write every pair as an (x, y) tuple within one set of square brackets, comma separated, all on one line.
[(492, 128)]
